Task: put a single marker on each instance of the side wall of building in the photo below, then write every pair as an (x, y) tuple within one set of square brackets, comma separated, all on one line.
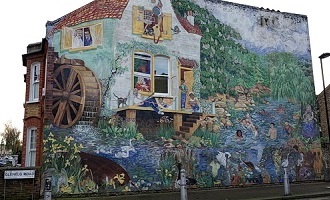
[(249, 68)]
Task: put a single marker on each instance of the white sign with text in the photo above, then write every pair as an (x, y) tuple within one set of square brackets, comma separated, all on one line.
[(19, 174)]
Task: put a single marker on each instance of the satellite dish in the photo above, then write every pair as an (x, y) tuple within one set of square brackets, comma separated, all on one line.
[(156, 10)]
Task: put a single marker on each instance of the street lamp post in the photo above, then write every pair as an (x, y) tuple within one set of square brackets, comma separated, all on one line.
[(321, 57)]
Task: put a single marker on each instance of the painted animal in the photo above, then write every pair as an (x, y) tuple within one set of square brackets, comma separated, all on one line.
[(130, 147), (223, 158), (125, 150), (121, 101)]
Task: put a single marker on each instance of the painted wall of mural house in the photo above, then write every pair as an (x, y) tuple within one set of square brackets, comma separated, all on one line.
[(143, 88)]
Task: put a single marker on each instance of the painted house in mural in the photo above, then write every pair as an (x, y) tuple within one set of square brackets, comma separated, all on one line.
[(123, 94)]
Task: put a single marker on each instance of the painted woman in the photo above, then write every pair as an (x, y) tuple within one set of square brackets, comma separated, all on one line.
[(308, 125)]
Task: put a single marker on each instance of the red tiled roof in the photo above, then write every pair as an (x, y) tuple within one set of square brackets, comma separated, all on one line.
[(100, 9), (188, 63), (189, 27), (97, 9)]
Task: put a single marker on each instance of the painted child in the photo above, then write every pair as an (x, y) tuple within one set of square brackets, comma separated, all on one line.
[(184, 90), (193, 102)]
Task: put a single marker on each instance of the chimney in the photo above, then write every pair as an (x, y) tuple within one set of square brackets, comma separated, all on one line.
[(191, 18)]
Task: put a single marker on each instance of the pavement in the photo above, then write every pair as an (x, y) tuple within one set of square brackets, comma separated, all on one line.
[(302, 190)]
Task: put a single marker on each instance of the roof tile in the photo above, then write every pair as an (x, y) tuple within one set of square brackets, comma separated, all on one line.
[(189, 27), (100, 9), (188, 63), (97, 9)]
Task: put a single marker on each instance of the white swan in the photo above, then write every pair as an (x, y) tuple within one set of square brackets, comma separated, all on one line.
[(130, 147), (124, 153), (285, 162)]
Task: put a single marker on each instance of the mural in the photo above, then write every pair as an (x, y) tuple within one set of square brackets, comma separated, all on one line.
[(227, 102)]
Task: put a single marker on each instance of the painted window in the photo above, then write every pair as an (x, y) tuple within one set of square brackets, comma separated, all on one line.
[(151, 73), (82, 37), (31, 147), (161, 72), (34, 79), (152, 24)]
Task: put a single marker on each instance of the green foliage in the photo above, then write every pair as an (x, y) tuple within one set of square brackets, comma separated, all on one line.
[(288, 80), (166, 128), (224, 62), (205, 179), (62, 155), (207, 138), (167, 169), (123, 130)]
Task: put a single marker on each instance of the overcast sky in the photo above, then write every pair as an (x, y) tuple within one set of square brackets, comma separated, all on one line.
[(23, 22)]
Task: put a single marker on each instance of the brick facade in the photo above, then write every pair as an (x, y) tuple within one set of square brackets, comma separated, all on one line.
[(322, 110), (33, 113)]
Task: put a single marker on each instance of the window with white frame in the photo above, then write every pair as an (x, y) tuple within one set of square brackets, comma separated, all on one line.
[(151, 73), (31, 147), (34, 85)]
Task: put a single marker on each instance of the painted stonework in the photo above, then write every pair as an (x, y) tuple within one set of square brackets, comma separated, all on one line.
[(223, 90)]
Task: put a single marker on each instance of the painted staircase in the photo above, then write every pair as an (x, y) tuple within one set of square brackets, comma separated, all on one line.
[(190, 123)]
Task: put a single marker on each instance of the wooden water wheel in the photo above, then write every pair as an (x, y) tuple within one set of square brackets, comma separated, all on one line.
[(76, 95)]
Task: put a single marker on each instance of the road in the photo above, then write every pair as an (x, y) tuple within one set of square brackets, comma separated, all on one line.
[(311, 191)]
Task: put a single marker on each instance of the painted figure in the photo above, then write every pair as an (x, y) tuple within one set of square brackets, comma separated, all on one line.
[(184, 90), (280, 109), (78, 38), (148, 102), (143, 84), (88, 40), (239, 135), (193, 102), (272, 132), (308, 125), (288, 128)]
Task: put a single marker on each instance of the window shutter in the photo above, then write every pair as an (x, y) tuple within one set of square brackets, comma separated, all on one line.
[(167, 26), (66, 39), (138, 20), (98, 30)]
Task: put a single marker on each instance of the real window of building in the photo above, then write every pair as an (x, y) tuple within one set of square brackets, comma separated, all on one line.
[(31, 147), (34, 79)]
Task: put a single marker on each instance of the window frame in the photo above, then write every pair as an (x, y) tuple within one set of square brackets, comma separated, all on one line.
[(68, 35), (163, 31), (151, 74), (31, 153), (161, 75), (34, 82)]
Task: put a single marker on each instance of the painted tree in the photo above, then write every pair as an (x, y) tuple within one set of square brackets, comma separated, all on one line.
[(289, 80)]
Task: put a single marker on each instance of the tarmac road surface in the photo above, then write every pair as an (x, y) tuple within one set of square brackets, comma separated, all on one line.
[(303, 190)]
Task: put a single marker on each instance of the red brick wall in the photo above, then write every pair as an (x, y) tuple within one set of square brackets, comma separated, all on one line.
[(33, 112), (16, 189), (323, 117)]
